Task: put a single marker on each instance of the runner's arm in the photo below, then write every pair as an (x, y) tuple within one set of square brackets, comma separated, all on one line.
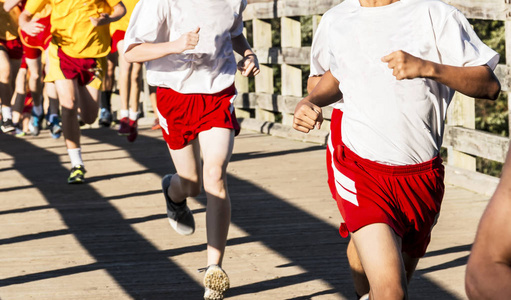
[(477, 81), (249, 65), (308, 112), (10, 4), (143, 52), (28, 24), (119, 10), (489, 266)]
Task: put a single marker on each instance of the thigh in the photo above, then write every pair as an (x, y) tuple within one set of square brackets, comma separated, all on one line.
[(187, 161), (217, 144), (34, 65), (66, 93), (379, 250)]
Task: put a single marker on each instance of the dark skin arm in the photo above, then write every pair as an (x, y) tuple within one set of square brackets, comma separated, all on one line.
[(477, 82), (308, 112), (488, 273)]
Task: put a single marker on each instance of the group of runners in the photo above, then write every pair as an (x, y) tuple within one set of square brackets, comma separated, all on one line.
[(388, 67)]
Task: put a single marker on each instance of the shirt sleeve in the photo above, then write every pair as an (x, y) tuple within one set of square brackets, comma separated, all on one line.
[(145, 22), (320, 55), (460, 46), (34, 6), (237, 27), (113, 3)]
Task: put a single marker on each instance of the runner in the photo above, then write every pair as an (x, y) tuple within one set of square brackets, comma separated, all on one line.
[(396, 64), (10, 60), (188, 49), (77, 56)]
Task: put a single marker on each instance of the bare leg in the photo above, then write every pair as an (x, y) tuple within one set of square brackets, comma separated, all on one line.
[(136, 70), (35, 84), (217, 145), (357, 270), (379, 249), (187, 181), (124, 78)]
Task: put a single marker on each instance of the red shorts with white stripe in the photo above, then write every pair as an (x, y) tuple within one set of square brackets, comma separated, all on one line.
[(407, 198), (183, 116)]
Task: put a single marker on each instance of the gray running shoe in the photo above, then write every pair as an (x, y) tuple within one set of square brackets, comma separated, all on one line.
[(216, 283), (180, 216)]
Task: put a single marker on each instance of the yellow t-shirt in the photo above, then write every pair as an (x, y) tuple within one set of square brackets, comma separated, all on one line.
[(8, 23), (122, 24), (72, 29)]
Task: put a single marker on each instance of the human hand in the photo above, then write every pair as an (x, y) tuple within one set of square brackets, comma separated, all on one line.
[(405, 65), (249, 65), (102, 20), (187, 41), (307, 116), (33, 28)]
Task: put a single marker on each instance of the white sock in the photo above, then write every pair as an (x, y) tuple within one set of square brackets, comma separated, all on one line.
[(38, 110), (124, 113), (133, 115), (76, 156), (6, 112)]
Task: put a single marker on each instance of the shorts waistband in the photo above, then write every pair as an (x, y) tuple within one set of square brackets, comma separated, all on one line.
[(426, 166), (231, 90)]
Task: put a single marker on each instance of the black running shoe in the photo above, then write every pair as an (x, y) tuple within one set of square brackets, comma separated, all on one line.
[(77, 175), (179, 215), (7, 126)]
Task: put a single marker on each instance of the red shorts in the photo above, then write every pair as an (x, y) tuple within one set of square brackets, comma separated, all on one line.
[(83, 69), (116, 38), (31, 53), (183, 116), (29, 104), (13, 47), (407, 198), (23, 64), (39, 42)]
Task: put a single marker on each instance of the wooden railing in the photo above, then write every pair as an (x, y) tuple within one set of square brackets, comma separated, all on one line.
[(268, 109)]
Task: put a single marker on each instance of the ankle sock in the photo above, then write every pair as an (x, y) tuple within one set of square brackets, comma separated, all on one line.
[(75, 156)]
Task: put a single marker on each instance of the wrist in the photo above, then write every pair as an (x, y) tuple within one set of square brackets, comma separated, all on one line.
[(249, 54)]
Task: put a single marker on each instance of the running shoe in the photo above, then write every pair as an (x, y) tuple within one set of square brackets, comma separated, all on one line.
[(36, 124), (133, 131), (105, 118), (124, 126), (55, 128), (18, 132), (7, 126), (179, 215), (216, 283), (77, 175), (156, 124)]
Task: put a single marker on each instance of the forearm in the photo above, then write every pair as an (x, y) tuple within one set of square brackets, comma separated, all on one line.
[(477, 82), (139, 53), (326, 91), (312, 82), (10, 4), (240, 45), (118, 13)]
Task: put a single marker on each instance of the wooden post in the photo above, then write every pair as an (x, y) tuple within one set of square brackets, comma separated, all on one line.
[(507, 39), (263, 81), (315, 23), (291, 75), (461, 112)]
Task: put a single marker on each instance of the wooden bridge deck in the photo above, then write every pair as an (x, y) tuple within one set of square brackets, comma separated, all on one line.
[(109, 239)]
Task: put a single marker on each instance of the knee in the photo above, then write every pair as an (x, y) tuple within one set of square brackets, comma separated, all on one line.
[(214, 177), (35, 76)]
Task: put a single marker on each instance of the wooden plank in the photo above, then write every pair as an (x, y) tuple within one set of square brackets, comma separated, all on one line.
[(268, 9), (461, 112), (476, 142)]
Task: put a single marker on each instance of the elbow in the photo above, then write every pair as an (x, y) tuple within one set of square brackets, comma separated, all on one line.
[(494, 90)]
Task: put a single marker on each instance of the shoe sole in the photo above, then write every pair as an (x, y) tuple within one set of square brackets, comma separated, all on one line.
[(216, 283)]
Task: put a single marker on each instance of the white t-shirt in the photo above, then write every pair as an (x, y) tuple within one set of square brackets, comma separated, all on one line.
[(207, 69), (320, 55), (397, 122)]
